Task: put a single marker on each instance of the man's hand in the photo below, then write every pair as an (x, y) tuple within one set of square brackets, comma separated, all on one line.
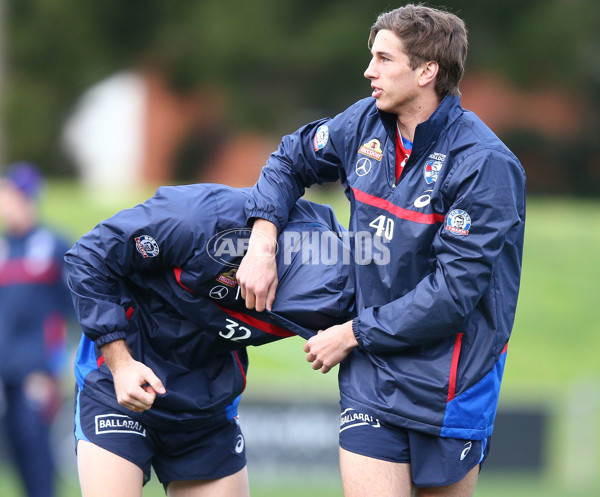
[(257, 274), (45, 391), (329, 347), (136, 385)]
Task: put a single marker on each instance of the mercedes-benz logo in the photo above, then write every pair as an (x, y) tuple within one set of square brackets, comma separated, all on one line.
[(218, 292), (363, 166)]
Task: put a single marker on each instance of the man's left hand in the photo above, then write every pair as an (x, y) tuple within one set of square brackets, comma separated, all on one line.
[(329, 347)]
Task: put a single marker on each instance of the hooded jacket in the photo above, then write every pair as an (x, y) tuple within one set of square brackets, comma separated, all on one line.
[(161, 275), (437, 257)]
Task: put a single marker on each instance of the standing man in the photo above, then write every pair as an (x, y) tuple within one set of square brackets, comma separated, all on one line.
[(34, 306), (423, 359)]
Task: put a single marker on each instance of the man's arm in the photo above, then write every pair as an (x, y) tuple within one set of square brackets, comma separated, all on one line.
[(299, 162), (136, 385), (152, 237)]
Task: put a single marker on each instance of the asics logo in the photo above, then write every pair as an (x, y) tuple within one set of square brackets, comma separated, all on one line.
[(466, 450), (424, 199), (239, 446)]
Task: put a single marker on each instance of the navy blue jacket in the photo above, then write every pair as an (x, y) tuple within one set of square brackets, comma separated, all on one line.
[(162, 276), (438, 258), (34, 304)]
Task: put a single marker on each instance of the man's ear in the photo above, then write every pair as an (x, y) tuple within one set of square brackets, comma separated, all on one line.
[(428, 72)]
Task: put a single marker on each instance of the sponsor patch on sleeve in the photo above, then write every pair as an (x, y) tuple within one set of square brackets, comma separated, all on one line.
[(458, 222), (146, 246), (321, 137)]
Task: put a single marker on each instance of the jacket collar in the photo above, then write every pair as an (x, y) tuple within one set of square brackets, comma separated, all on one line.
[(428, 131)]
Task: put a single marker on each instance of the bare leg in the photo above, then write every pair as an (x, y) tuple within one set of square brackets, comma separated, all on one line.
[(235, 485), (463, 488), (103, 473), (368, 477)]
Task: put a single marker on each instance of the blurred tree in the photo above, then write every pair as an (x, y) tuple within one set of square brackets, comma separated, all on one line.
[(283, 62)]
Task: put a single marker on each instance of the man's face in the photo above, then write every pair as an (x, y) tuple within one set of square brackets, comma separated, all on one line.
[(16, 211), (393, 82)]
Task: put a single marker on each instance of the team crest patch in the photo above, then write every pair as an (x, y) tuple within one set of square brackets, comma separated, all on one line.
[(431, 171), (372, 149), (147, 246), (321, 137), (228, 278), (458, 222)]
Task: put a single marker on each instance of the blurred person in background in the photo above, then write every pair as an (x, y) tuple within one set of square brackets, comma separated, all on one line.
[(34, 307), (162, 361), (421, 364)]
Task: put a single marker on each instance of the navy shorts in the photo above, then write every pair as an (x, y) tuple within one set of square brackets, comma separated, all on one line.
[(434, 461), (201, 454)]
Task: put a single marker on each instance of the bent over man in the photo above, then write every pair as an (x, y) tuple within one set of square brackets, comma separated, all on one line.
[(162, 361)]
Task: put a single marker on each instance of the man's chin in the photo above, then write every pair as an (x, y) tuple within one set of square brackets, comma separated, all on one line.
[(382, 106)]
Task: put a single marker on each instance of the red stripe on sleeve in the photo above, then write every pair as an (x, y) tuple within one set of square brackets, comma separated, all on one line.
[(417, 217), (129, 312), (269, 328), (239, 363), (177, 271)]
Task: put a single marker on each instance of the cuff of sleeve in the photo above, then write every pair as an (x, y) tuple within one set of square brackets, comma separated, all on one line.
[(357, 333), (263, 215), (111, 337)]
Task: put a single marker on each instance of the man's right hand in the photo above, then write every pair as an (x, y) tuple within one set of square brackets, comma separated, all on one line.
[(136, 385), (257, 274)]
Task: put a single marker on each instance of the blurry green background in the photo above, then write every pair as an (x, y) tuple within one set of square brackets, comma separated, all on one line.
[(283, 63), (552, 359)]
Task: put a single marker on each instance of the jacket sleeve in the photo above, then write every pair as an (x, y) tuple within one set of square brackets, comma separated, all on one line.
[(148, 238), (465, 261), (316, 285), (313, 154)]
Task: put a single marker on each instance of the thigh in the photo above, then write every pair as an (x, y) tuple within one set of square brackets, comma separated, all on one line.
[(28, 434), (103, 473), (364, 476), (211, 453), (113, 431), (25, 418), (463, 488), (235, 485)]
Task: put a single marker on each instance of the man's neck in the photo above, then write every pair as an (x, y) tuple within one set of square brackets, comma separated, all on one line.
[(21, 228), (409, 118)]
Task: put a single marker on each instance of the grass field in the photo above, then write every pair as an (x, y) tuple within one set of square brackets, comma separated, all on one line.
[(554, 348), (487, 487)]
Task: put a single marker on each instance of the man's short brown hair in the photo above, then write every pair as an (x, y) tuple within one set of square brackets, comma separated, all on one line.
[(429, 34)]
